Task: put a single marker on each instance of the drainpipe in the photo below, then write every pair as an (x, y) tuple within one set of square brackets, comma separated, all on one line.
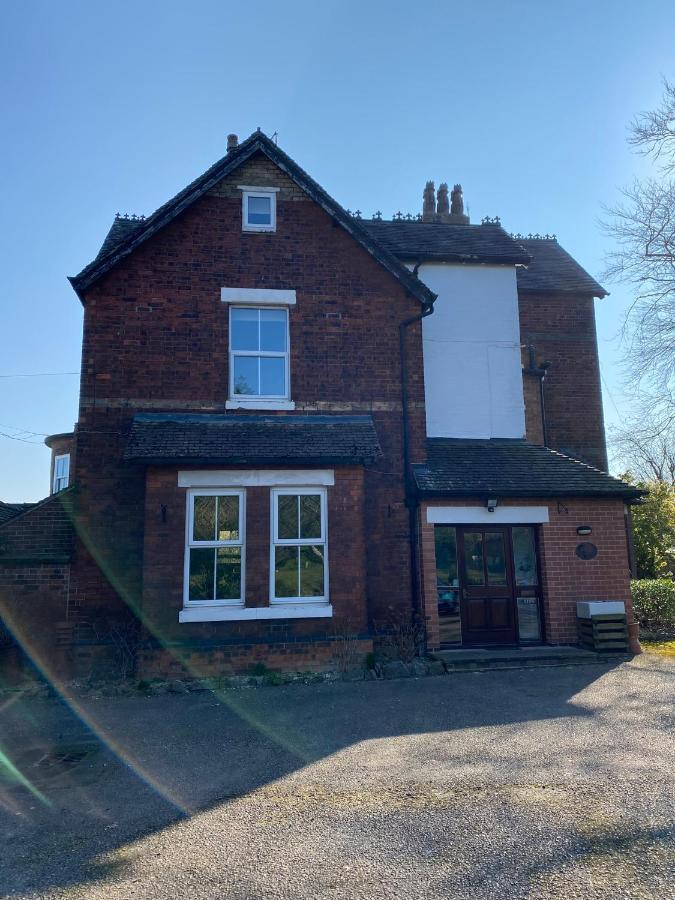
[(540, 371), (411, 499)]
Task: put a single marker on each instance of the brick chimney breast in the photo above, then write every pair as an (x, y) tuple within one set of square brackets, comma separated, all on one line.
[(232, 142)]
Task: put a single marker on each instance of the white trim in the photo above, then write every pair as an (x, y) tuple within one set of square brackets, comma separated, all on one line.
[(271, 195), (188, 478), (263, 190), (298, 542), (191, 544), (260, 404), (247, 613), (470, 515), (264, 296)]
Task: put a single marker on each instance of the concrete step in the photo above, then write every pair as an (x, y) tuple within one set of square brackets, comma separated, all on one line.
[(480, 658)]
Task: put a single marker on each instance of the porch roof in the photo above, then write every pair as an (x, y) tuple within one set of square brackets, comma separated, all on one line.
[(168, 438), (511, 468)]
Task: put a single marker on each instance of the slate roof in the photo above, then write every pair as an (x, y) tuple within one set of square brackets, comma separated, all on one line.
[(510, 468), (130, 237), (9, 510), (252, 439), (418, 241), (553, 270)]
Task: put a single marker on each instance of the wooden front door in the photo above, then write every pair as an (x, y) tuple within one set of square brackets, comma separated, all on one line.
[(486, 578)]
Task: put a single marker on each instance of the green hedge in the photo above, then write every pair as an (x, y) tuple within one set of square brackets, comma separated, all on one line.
[(654, 602)]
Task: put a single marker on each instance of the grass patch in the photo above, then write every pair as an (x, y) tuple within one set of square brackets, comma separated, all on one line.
[(662, 648)]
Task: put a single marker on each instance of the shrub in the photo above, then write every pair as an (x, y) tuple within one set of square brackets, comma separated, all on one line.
[(654, 603)]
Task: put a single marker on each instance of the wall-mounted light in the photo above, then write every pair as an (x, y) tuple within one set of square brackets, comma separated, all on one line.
[(584, 529), (492, 504)]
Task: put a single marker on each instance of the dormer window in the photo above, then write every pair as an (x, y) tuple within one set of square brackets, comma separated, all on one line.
[(259, 208)]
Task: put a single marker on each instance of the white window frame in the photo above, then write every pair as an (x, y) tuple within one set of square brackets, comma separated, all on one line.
[(236, 399), (190, 544), (275, 542), (56, 478), (267, 192)]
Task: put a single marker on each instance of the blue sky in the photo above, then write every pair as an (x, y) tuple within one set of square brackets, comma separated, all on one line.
[(115, 107)]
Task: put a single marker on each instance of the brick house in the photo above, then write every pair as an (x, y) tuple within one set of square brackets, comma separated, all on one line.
[(296, 425)]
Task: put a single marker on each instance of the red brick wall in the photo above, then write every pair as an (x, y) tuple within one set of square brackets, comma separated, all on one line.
[(561, 328), (565, 578), (156, 338), (33, 600)]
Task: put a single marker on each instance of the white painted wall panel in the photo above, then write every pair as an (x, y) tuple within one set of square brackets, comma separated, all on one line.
[(472, 369)]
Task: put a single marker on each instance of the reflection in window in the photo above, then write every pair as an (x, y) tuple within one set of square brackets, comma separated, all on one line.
[(259, 352), (473, 557), (495, 557), (214, 548), (299, 538), (447, 584), (524, 556)]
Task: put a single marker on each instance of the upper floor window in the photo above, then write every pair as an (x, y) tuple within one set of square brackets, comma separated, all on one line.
[(259, 353), (61, 472), (259, 208)]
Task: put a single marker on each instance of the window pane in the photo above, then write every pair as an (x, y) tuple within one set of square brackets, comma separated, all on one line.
[(287, 523), (201, 573), (528, 619), (204, 520), (228, 519), (445, 539), (286, 572), (259, 211), (495, 557), (272, 376), (246, 375), (447, 581), (273, 329), (310, 516), (228, 573), (524, 556), (473, 557), (244, 324), (311, 571)]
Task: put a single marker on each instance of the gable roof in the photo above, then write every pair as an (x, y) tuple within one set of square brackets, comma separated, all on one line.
[(511, 468), (553, 270), (122, 240), (169, 438), (447, 242)]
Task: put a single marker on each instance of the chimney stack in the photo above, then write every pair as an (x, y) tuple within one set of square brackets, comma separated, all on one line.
[(232, 142)]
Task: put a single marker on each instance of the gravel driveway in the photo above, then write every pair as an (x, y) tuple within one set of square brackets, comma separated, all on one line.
[(510, 784)]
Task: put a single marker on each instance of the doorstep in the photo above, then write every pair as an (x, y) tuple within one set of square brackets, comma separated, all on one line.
[(520, 657)]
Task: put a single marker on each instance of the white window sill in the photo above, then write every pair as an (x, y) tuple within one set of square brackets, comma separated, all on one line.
[(260, 404), (252, 613), (259, 228)]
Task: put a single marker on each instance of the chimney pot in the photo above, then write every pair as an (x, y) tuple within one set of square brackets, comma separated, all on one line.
[(232, 142)]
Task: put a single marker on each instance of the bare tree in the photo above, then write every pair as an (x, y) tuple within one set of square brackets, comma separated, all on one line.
[(646, 450), (643, 226)]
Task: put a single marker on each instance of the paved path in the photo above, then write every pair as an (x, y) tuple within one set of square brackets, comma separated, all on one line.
[(511, 784)]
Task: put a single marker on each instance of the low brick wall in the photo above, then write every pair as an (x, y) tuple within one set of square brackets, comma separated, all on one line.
[(237, 659)]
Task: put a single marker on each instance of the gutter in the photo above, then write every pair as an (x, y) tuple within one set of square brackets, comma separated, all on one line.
[(411, 498)]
